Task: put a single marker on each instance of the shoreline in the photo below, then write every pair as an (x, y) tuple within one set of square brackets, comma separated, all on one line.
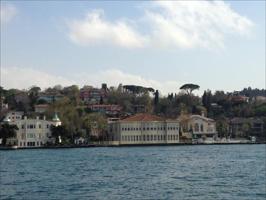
[(123, 145)]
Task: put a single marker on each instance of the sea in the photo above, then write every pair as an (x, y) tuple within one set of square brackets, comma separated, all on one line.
[(192, 172)]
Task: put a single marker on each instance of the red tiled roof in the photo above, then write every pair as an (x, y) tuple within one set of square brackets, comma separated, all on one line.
[(142, 117)]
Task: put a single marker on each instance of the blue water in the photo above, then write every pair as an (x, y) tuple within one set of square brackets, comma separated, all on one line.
[(176, 172)]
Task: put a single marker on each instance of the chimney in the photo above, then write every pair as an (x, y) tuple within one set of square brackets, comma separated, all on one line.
[(25, 117), (44, 117), (202, 113), (37, 117)]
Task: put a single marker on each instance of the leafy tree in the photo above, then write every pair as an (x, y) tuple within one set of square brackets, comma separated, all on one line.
[(246, 128), (72, 92), (59, 131), (222, 127), (189, 88), (7, 131), (95, 120), (156, 98), (68, 114)]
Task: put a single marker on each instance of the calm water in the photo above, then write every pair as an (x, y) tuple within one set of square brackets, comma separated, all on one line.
[(176, 172)]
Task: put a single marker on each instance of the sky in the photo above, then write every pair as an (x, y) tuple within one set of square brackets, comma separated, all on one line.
[(219, 45)]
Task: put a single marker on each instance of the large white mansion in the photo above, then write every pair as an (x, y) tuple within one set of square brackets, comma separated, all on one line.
[(143, 129), (32, 132)]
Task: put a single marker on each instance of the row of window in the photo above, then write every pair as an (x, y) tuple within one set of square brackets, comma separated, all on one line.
[(149, 128), (30, 144), (136, 138), (33, 126)]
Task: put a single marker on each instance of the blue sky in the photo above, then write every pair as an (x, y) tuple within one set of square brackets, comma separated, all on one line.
[(217, 45)]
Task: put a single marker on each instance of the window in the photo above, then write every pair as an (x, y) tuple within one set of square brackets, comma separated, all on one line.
[(148, 137), (196, 127), (47, 126), (40, 126), (201, 127), (22, 126)]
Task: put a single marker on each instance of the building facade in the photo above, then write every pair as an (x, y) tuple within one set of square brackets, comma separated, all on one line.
[(245, 127), (201, 128), (13, 116), (91, 95), (32, 132), (143, 129), (109, 109), (41, 108)]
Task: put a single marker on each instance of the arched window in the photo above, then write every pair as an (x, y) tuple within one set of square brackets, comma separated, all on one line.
[(196, 128), (201, 127)]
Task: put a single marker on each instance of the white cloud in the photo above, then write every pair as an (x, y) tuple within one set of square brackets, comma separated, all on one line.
[(189, 24), (7, 12), (95, 29), (183, 24), (23, 78)]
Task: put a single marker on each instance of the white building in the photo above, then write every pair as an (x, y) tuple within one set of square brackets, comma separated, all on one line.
[(143, 129), (33, 132), (13, 116)]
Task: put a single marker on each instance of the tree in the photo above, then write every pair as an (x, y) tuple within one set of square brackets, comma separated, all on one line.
[(189, 88), (246, 128), (72, 92), (58, 131), (7, 131), (222, 127), (33, 95), (68, 115), (95, 121)]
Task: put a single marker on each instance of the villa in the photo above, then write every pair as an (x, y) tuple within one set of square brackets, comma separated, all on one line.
[(32, 132), (200, 128)]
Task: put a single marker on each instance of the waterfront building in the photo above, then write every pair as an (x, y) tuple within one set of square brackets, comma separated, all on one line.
[(143, 128), (201, 128), (33, 132)]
